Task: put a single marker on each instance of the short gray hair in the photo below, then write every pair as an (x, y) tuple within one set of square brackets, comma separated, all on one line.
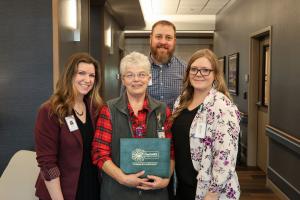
[(135, 59)]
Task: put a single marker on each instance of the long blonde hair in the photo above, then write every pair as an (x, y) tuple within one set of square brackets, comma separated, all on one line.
[(188, 90), (63, 99)]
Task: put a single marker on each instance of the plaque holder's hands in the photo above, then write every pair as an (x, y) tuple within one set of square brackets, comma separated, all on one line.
[(154, 183), (132, 180), (129, 180)]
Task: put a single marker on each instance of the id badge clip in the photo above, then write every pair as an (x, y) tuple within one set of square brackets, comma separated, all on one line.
[(161, 133), (150, 81), (201, 126), (139, 131), (71, 122)]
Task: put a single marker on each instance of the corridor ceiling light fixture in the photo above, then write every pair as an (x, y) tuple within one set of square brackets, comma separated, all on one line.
[(109, 39), (71, 6), (73, 17), (155, 10)]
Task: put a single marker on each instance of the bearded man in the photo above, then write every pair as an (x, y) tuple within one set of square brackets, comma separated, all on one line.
[(167, 70)]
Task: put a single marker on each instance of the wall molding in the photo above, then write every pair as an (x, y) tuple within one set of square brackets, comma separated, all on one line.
[(283, 138), (283, 184), (281, 195)]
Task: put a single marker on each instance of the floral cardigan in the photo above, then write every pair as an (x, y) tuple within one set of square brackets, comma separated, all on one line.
[(214, 153)]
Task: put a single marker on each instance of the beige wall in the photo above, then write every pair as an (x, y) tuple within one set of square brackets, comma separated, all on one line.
[(185, 47)]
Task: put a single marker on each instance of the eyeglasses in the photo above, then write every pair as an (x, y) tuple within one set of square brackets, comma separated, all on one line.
[(140, 75), (203, 71)]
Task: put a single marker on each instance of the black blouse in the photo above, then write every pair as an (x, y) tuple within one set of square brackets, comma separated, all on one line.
[(185, 172), (88, 185)]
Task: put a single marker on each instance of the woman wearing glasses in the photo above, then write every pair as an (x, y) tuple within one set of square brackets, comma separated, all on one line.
[(205, 131), (133, 115)]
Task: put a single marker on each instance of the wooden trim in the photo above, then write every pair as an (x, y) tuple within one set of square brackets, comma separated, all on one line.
[(285, 134), (55, 42), (252, 109), (89, 26), (284, 138), (252, 91), (262, 32), (276, 190)]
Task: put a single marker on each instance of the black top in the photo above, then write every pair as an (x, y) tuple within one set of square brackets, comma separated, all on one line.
[(185, 172), (88, 184)]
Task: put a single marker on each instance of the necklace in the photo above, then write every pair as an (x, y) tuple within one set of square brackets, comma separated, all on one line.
[(79, 114)]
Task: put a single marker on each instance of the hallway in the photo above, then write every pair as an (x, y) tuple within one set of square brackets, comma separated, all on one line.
[(37, 37), (253, 181)]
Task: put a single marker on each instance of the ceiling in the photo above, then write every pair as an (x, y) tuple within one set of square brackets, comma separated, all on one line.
[(187, 15), (186, 7)]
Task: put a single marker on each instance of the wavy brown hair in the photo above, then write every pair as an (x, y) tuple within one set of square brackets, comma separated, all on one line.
[(188, 90), (63, 99)]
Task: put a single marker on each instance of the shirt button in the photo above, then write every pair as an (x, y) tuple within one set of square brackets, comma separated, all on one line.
[(161, 83), (161, 97), (160, 71)]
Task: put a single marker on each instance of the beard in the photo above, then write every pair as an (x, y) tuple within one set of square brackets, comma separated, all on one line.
[(162, 53)]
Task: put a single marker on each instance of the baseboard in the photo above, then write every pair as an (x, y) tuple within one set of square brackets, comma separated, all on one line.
[(276, 190)]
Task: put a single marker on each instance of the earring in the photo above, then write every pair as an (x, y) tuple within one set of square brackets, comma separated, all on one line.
[(214, 83)]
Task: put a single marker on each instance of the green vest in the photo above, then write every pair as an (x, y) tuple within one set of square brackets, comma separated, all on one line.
[(121, 128)]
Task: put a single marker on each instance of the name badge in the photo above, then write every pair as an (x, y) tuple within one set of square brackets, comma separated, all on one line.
[(201, 126), (71, 122), (161, 133), (139, 131)]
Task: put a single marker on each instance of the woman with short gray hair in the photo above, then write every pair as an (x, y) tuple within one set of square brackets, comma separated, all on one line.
[(132, 115)]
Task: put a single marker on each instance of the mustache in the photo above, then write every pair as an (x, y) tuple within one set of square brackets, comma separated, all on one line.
[(162, 46)]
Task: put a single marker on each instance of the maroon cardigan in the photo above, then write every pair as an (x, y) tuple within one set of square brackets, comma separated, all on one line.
[(59, 153)]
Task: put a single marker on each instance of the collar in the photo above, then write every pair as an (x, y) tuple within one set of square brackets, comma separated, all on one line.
[(210, 97), (144, 108), (121, 103), (168, 64)]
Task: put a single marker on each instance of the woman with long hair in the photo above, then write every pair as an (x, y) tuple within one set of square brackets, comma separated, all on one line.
[(64, 131), (205, 131)]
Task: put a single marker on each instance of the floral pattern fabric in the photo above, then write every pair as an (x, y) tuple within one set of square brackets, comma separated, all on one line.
[(214, 152)]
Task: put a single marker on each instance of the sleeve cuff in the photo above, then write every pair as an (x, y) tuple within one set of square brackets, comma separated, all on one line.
[(50, 174), (215, 188), (103, 160)]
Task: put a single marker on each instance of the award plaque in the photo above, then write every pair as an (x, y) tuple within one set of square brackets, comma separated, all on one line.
[(149, 154)]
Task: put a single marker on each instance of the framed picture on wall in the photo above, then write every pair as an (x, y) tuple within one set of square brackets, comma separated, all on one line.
[(233, 73), (222, 64)]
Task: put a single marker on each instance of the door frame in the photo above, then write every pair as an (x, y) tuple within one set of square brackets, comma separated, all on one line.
[(55, 42), (253, 86)]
